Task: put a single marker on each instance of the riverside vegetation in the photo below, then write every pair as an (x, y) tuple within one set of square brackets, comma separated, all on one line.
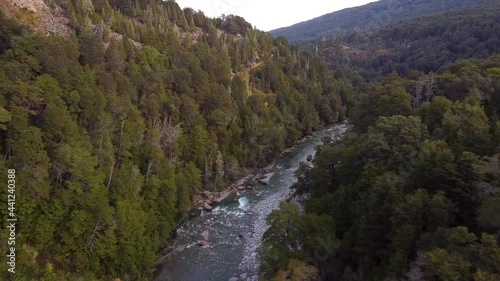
[(116, 121), (413, 193)]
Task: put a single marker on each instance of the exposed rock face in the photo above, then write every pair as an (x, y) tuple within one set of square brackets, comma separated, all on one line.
[(38, 15)]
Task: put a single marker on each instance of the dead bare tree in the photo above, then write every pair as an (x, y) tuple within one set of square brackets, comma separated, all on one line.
[(169, 132), (52, 19), (417, 268), (430, 88), (111, 171), (424, 91), (165, 136), (150, 168), (416, 97), (93, 238)]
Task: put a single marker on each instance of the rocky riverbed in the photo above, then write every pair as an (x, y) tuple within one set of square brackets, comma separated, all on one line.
[(232, 231), (259, 226)]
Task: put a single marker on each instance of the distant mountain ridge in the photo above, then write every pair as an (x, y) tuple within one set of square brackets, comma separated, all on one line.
[(373, 15), (427, 43)]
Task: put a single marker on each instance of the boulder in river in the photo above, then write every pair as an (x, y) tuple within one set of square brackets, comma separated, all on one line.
[(241, 187), (233, 279), (242, 235), (309, 158), (201, 243), (207, 207), (211, 197)]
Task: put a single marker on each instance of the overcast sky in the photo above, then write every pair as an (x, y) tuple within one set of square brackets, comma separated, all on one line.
[(271, 14)]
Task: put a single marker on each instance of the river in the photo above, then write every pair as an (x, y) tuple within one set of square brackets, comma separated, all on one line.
[(233, 230)]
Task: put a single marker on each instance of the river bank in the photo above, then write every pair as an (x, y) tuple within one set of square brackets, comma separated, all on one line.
[(233, 229), (208, 200)]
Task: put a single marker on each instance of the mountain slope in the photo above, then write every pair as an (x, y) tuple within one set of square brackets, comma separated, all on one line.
[(373, 15), (425, 43), (413, 195), (118, 119)]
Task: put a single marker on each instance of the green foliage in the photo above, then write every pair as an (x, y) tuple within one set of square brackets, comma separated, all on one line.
[(385, 99), (372, 15), (280, 240), (115, 127), (297, 271), (374, 40), (290, 236), (446, 266), (411, 195), (467, 126)]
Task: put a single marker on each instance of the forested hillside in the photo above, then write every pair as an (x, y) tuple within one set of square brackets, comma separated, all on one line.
[(412, 194), (425, 44), (371, 16), (115, 114)]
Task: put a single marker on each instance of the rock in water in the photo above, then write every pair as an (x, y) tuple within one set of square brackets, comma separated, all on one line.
[(205, 235), (263, 182), (309, 158), (233, 279), (207, 207), (242, 235), (201, 243)]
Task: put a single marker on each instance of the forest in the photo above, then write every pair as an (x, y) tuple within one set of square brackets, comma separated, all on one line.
[(117, 114), (369, 17), (115, 121), (428, 43), (413, 193)]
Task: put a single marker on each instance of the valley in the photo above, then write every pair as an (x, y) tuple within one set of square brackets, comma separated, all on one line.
[(151, 142)]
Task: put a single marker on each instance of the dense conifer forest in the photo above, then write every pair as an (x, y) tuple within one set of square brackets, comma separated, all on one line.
[(412, 194), (428, 43), (118, 114), (117, 119)]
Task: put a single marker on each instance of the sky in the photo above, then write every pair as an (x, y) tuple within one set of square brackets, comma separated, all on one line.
[(267, 15)]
